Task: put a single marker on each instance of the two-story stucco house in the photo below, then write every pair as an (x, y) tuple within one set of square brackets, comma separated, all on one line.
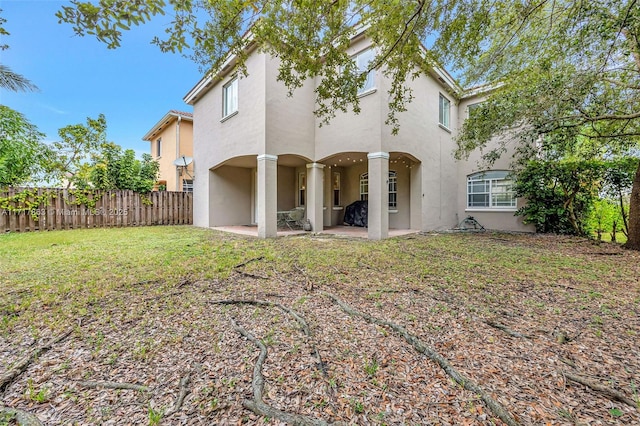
[(171, 144), (258, 151)]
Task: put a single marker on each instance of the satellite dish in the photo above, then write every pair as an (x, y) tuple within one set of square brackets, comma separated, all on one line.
[(183, 161)]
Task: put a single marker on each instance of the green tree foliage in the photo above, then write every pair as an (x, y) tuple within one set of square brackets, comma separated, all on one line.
[(22, 154), (576, 196), (78, 142), (557, 69), (567, 81), (114, 168), (605, 217), (619, 182), (559, 194), (309, 38)]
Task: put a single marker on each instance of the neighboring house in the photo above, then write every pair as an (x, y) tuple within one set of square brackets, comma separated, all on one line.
[(171, 141), (259, 152)]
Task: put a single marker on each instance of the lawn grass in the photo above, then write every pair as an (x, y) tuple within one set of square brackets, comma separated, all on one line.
[(606, 237), (62, 272), (135, 295)]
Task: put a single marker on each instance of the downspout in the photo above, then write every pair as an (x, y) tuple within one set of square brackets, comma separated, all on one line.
[(178, 183)]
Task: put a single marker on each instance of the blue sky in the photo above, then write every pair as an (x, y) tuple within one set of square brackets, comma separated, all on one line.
[(78, 77)]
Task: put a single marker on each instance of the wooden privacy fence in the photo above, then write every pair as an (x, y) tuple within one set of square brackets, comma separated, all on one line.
[(25, 209)]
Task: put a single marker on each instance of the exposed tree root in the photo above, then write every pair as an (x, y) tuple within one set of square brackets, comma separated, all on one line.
[(425, 349), (185, 281), (507, 330), (245, 263), (608, 392), (184, 391), (7, 378), (308, 284), (21, 417), (301, 321), (237, 270), (113, 385), (248, 275), (257, 405)]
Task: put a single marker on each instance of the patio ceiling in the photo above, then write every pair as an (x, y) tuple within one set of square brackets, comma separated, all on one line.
[(343, 159), (346, 159)]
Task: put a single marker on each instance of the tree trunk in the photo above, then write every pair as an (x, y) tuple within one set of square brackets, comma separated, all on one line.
[(623, 213), (633, 237)]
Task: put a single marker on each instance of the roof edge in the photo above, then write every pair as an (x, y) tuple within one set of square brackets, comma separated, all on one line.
[(172, 113)]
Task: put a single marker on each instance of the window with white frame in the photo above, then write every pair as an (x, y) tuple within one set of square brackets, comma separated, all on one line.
[(230, 97), (159, 147), (393, 188), (187, 185), (364, 186), (444, 111), (336, 189), (363, 60), (471, 108), (302, 188), (491, 190)]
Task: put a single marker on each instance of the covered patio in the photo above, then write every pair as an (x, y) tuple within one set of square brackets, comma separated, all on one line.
[(339, 231)]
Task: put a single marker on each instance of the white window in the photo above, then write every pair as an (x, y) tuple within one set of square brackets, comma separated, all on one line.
[(471, 108), (159, 147), (364, 186), (302, 187), (363, 60), (336, 189), (230, 97), (187, 185), (444, 111), (393, 188), (490, 190)]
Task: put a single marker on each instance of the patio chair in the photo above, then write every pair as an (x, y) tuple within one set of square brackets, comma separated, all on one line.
[(294, 218)]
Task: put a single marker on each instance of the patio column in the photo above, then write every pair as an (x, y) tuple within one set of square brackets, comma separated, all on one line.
[(378, 195), (315, 196), (267, 196)]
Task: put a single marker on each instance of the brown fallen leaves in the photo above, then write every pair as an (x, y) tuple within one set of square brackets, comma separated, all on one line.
[(372, 375)]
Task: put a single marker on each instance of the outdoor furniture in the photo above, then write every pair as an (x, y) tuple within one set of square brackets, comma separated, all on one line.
[(294, 218), (357, 214), (282, 216)]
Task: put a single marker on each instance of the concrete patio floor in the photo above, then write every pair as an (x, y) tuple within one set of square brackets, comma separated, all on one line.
[(343, 231)]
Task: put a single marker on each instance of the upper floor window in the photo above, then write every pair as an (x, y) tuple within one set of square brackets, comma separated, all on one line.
[(444, 111), (471, 108), (159, 147), (363, 60), (230, 97), (393, 188), (491, 190)]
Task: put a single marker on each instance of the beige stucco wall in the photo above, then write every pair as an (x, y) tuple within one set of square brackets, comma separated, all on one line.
[(286, 188), (351, 132), (290, 124), (431, 183), (421, 136), (490, 219), (223, 138), (220, 139), (230, 196), (171, 140)]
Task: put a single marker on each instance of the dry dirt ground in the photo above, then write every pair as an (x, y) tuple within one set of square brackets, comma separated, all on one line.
[(523, 317)]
